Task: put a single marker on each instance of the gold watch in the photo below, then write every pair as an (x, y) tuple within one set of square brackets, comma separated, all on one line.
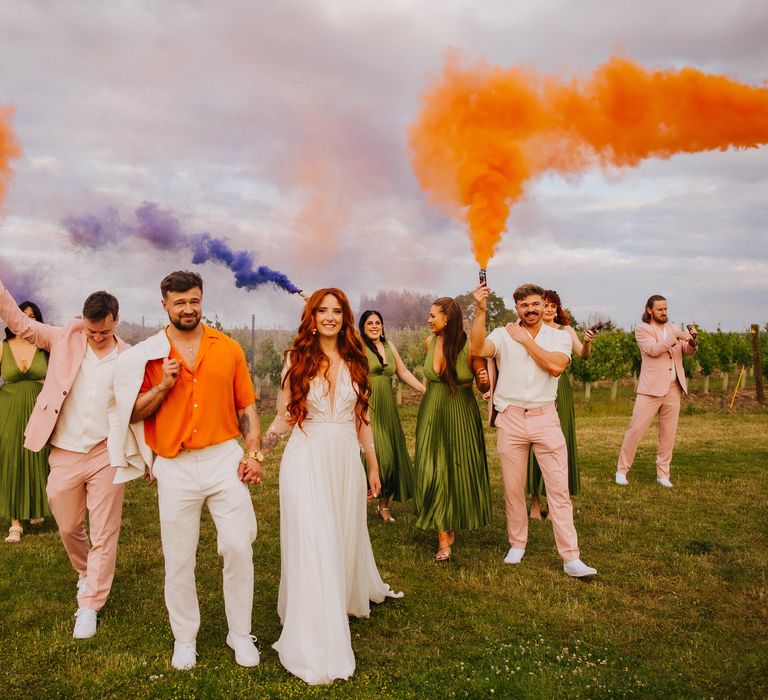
[(258, 455)]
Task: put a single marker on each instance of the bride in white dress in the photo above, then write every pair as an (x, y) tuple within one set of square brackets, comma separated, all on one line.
[(327, 567)]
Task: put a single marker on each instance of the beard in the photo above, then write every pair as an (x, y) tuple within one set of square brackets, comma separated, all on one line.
[(187, 325)]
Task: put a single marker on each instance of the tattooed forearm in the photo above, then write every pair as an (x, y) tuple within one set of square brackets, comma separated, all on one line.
[(245, 425), (272, 438)]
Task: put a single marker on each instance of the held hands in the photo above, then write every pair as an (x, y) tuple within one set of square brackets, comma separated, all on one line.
[(481, 297), (249, 470)]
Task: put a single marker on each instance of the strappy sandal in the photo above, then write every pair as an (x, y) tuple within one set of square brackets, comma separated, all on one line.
[(37, 521), (14, 533), (380, 510), (443, 553)]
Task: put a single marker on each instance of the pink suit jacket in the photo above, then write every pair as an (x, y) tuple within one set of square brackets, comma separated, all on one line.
[(66, 346), (659, 356)]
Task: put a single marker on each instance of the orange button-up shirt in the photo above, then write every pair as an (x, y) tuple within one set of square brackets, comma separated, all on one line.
[(201, 408)]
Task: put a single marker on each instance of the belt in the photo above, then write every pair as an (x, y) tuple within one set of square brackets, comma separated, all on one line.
[(538, 411)]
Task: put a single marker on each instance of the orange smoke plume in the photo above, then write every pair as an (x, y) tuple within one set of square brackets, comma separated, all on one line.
[(484, 131), (9, 149)]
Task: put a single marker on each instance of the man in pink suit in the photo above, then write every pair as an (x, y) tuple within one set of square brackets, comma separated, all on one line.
[(530, 356), (73, 415), (662, 383)]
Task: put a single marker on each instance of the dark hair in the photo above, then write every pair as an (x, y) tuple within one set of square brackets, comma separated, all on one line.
[(526, 290), (369, 343), (180, 281), (649, 305), (99, 305), (454, 338), (9, 334), (561, 317)]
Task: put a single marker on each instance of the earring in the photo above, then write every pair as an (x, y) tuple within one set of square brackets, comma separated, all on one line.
[(314, 331)]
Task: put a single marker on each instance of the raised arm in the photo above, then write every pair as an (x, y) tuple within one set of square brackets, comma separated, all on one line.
[(404, 373), (646, 340), (479, 345), (584, 349), (40, 334), (551, 361), (149, 401)]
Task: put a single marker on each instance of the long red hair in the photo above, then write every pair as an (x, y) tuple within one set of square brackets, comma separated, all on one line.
[(307, 359)]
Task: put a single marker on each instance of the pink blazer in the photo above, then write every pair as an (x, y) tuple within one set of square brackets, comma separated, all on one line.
[(66, 346), (660, 355)]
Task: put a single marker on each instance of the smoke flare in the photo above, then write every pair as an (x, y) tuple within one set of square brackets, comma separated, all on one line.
[(483, 131), (163, 230), (9, 149)]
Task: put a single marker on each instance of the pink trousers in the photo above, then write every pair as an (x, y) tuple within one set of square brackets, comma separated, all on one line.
[(518, 429), (646, 407), (78, 482)]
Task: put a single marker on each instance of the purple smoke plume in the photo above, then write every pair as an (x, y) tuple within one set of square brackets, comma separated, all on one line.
[(23, 285), (163, 230)]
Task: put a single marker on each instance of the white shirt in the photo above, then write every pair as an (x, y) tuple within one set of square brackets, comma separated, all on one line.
[(83, 422), (521, 382)]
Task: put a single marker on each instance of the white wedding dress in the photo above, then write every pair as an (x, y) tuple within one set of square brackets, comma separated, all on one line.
[(327, 567)]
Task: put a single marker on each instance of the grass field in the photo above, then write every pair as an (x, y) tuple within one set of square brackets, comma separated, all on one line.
[(678, 610)]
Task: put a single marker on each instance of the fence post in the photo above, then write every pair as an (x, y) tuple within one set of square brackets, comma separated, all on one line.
[(758, 364)]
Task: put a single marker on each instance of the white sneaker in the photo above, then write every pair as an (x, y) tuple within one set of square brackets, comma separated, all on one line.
[(246, 653), (621, 479), (514, 555), (184, 655), (664, 482), (578, 569), (85, 623), (81, 584)]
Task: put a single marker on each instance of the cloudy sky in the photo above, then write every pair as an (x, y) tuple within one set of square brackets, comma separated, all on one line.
[(282, 126)]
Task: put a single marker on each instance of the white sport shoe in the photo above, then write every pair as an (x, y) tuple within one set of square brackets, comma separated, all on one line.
[(664, 482), (621, 479), (184, 655), (81, 584), (514, 555), (85, 623), (246, 653), (578, 569)]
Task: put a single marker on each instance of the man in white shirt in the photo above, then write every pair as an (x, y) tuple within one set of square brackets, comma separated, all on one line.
[(529, 356), (72, 416)]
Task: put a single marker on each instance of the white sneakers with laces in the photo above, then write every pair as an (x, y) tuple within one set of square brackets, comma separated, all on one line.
[(664, 482), (246, 653), (514, 556), (85, 623), (578, 569), (621, 479)]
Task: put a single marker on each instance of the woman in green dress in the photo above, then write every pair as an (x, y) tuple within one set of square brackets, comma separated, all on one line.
[(452, 486), (23, 474), (553, 314), (395, 469)]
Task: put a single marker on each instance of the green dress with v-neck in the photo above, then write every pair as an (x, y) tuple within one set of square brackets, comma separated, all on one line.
[(452, 488), (23, 474), (395, 467)]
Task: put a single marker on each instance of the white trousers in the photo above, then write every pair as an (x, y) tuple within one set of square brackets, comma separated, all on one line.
[(184, 483)]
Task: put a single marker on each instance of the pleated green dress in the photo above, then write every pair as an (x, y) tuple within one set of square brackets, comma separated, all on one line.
[(452, 489), (564, 402), (395, 467), (23, 474)]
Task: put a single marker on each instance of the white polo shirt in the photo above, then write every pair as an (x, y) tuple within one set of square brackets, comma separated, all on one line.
[(521, 382), (83, 422)]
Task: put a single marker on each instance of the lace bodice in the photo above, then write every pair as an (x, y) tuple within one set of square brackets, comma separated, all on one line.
[(319, 406)]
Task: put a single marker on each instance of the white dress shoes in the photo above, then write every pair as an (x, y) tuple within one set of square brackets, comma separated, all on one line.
[(621, 479), (514, 556), (85, 623), (664, 482), (578, 569), (184, 655), (246, 653)]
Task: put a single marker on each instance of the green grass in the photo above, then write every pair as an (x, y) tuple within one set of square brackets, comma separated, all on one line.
[(678, 608)]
